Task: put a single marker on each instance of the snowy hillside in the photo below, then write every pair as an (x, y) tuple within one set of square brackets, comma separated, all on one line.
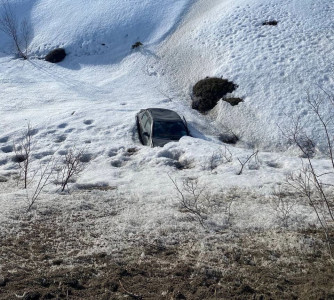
[(98, 27), (91, 98), (274, 66), (128, 193)]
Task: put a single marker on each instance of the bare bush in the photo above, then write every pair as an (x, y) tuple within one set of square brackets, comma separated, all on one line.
[(19, 33), (35, 177), (319, 196), (314, 186), (44, 175), (198, 201), (214, 160), (71, 167), (23, 152), (25, 31), (283, 205), (226, 154), (190, 196), (221, 156), (253, 156), (221, 202)]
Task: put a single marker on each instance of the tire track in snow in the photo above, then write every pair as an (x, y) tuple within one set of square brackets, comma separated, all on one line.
[(82, 88)]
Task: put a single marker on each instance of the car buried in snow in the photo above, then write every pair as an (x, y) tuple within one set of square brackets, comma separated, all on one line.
[(159, 126)]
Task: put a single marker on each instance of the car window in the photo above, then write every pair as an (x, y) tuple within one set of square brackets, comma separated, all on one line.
[(173, 130)]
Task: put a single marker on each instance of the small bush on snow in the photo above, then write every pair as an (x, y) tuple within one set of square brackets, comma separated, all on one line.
[(207, 92), (233, 100), (199, 202), (136, 45)]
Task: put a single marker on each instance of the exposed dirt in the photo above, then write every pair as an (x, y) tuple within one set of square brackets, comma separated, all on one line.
[(41, 262)]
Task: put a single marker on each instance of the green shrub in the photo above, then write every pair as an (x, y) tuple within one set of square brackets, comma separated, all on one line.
[(136, 45), (233, 101), (208, 91)]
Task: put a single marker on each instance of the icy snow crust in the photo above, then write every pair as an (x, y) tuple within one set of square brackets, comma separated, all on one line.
[(89, 101)]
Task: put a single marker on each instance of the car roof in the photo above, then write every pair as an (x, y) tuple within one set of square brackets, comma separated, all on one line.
[(164, 114)]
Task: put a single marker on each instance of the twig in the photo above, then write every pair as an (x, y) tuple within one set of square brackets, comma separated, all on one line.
[(254, 154), (134, 296), (190, 202)]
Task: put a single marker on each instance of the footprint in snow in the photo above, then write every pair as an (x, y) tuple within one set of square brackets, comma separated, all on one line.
[(42, 154), (3, 162), (62, 125), (88, 122), (273, 164), (113, 152), (69, 130), (33, 131), (7, 149), (60, 138), (51, 131), (85, 158), (4, 139), (62, 152), (118, 163)]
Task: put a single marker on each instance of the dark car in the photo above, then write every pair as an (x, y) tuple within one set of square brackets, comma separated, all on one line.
[(158, 126)]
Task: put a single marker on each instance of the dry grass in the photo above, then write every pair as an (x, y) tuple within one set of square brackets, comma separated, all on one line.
[(44, 258)]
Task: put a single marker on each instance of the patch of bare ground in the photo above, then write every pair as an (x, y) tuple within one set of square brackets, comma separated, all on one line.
[(42, 261)]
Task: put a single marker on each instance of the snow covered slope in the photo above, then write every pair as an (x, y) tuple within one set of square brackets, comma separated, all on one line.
[(97, 27), (89, 101), (274, 66)]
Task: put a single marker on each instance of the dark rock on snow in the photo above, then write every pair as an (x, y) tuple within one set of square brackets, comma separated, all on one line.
[(56, 55)]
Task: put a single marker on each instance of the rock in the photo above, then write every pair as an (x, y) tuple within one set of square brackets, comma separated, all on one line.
[(56, 55), (233, 101), (270, 23)]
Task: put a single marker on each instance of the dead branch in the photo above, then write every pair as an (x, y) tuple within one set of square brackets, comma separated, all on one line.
[(303, 182), (9, 25), (226, 155), (44, 179), (189, 197), (25, 32), (72, 166), (23, 152), (282, 205), (248, 158), (315, 104), (134, 296), (221, 156)]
